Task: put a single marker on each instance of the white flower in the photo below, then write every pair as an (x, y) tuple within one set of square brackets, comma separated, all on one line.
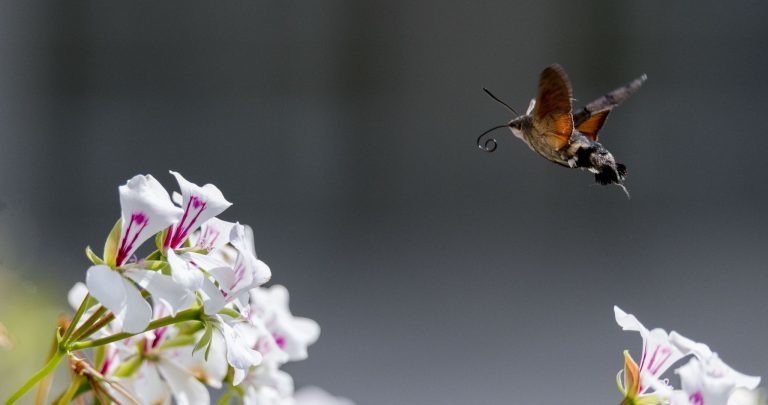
[(706, 379), (146, 209), (117, 293), (240, 339), (199, 205), (290, 333), (658, 352), (266, 384)]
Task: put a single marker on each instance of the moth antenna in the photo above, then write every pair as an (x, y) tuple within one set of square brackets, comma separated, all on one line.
[(490, 144), (499, 100)]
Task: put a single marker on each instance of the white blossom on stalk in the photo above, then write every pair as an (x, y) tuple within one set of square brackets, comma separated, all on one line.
[(199, 205), (146, 210), (240, 339), (706, 379), (291, 334), (658, 352), (266, 384)]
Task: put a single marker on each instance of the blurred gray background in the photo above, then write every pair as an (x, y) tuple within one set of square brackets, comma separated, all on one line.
[(344, 132)]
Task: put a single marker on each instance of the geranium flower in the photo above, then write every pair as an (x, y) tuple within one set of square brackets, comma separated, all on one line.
[(706, 379), (291, 334)]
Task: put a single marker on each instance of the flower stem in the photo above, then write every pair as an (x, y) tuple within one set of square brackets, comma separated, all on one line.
[(67, 396), (86, 326), (192, 314), (76, 319), (47, 369)]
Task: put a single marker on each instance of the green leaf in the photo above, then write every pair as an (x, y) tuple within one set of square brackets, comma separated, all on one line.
[(154, 264), (205, 340), (110, 246), (160, 239), (91, 255)]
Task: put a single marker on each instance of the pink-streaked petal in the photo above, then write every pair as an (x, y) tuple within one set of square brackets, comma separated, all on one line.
[(121, 297), (659, 354), (146, 209), (213, 234), (163, 288), (183, 272), (205, 262), (186, 389), (199, 205)]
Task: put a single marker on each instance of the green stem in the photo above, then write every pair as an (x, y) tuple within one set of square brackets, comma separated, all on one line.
[(76, 319), (192, 314), (67, 396), (95, 327), (86, 326), (47, 369)]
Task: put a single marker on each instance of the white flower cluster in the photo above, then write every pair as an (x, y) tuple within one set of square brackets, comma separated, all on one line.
[(706, 380), (211, 322)]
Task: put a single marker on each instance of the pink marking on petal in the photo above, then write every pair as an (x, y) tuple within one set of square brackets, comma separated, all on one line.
[(279, 339), (182, 230), (696, 398), (111, 354), (653, 366), (126, 245)]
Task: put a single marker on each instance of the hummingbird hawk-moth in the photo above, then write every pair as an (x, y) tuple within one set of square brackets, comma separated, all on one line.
[(553, 130)]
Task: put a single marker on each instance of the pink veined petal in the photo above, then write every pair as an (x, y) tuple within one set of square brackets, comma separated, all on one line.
[(121, 297), (213, 234), (186, 389), (659, 354), (206, 262), (163, 288), (146, 209), (199, 205), (183, 272)]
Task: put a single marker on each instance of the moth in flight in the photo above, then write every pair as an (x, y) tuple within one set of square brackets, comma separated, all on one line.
[(551, 128)]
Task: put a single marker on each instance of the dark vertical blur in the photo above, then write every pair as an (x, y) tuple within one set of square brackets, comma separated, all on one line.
[(344, 133)]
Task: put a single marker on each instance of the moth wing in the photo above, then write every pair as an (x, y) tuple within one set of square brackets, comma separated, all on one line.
[(552, 112), (591, 126)]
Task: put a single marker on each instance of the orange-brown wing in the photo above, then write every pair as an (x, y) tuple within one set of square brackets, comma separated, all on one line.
[(552, 115), (592, 125)]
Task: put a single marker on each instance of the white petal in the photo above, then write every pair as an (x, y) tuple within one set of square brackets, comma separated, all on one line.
[(186, 389), (146, 386), (212, 371), (213, 299), (183, 272), (200, 204), (131, 310), (213, 234), (240, 354), (742, 396), (146, 209), (77, 294), (659, 354), (628, 321), (163, 288), (205, 262)]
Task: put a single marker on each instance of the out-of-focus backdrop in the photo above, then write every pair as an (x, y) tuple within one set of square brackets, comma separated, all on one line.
[(344, 132)]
